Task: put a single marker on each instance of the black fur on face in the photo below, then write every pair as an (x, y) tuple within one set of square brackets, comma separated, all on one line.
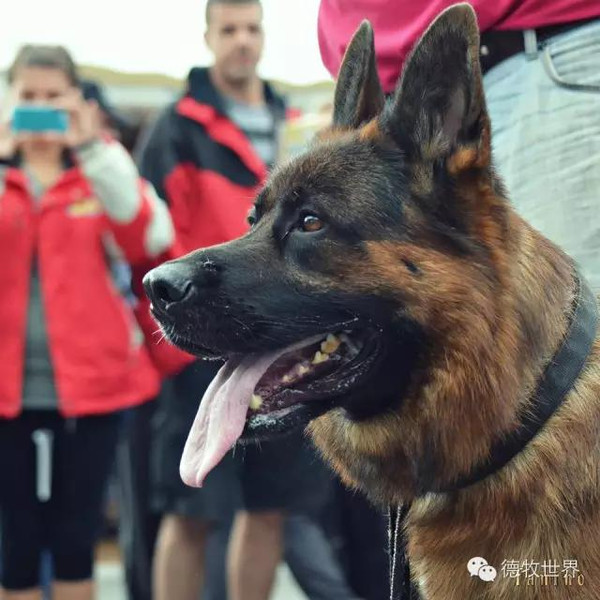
[(281, 283)]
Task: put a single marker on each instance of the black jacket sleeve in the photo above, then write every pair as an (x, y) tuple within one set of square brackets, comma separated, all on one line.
[(159, 151)]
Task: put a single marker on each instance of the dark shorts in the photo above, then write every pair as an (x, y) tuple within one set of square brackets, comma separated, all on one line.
[(41, 453), (282, 474)]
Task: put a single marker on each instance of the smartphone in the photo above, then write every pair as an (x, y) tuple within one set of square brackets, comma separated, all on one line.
[(38, 119)]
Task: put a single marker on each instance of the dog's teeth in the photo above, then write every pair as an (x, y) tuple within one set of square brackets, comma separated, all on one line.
[(349, 343), (302, 369), (255, 402), (320, 357), (330, 345)]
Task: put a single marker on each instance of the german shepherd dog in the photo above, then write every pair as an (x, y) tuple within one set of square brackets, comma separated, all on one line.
[(389, 299)]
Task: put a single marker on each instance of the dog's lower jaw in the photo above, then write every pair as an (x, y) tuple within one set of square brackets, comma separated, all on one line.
[(261, 428)]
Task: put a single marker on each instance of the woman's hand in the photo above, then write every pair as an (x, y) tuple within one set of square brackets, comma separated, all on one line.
[(84, 119), (8, 141)]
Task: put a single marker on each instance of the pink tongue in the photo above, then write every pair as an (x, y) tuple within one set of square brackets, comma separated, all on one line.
[(222, 414)]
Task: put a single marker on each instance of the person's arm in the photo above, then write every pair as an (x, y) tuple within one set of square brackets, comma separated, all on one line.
[(160, 159), (139, 221), (138, 218), (158, 153), (157, 156)]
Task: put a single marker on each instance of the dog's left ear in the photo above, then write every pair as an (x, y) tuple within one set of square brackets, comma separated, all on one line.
[(358, 94), (439, 103)]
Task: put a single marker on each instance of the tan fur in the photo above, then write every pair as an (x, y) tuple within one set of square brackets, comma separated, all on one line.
[(491, 346), (370, 131)]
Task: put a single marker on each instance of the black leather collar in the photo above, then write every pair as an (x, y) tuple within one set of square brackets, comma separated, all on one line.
[(559, 377)]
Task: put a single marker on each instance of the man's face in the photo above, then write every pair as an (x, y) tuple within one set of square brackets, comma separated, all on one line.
[(235, 36)]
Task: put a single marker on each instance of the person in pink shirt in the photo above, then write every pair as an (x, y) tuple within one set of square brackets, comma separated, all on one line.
[(398, 24)]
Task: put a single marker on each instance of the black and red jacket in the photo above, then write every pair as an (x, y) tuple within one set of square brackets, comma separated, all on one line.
[(203, 165), (206, 169)]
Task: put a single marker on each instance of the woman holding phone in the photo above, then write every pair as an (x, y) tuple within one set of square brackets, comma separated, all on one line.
[(70, 355)]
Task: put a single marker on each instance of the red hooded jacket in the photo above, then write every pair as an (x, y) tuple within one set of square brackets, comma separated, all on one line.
[(99, 363)]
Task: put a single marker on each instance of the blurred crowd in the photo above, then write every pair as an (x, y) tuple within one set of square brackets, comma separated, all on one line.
[(88, 392), (91, 395)]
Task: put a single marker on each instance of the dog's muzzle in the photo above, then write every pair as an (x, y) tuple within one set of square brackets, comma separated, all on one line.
[(176, 285), (167, 286)]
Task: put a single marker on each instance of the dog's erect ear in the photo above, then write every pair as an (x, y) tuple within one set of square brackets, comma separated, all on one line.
[(439, 102), (358, 94)]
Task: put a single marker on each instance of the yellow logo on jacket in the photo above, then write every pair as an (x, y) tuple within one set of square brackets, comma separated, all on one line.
[(86, 207)]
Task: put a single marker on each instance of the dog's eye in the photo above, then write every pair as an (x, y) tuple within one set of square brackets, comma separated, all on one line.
[(311, 223), (251, 218)]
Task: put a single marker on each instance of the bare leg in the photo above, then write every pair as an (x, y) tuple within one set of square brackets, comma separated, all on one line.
[(31, 594), (254, 553), (179, 559), (73, 590)]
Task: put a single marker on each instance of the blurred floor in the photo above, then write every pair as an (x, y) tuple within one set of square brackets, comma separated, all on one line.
[(111, 583)]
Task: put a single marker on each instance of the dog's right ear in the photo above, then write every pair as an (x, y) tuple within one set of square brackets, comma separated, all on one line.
[(358, 94)]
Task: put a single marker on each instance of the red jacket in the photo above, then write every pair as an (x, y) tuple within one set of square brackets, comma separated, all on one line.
[(206, 169), (99, 366)]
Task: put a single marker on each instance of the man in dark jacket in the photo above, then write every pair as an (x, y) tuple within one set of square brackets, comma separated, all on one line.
[(207, 155)]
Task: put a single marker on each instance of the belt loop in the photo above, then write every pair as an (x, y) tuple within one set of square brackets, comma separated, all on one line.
[(530, 43)]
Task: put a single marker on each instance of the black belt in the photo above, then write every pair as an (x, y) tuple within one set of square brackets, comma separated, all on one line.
[(497, 46)]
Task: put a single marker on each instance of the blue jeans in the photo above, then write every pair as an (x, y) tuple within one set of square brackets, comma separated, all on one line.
[(545, 111)]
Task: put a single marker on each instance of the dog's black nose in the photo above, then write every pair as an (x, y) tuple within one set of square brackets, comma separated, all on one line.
[(168, 284)]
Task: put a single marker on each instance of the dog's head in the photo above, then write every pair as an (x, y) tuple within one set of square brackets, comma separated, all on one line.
[(362, 256)]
